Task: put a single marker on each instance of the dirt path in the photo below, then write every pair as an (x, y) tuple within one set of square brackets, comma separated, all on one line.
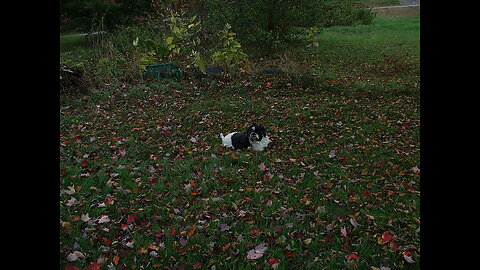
[(409, 2), (406, 7)]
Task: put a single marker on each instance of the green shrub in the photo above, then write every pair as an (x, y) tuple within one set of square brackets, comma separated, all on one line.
[(341, 13), (263, 25), (230, 53)]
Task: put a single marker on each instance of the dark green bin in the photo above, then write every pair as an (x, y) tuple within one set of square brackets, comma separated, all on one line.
[(163, 71)]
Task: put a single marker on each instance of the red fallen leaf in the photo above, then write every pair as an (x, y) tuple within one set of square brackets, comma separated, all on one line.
[(393, 246), (153, 180), (137, 128), (84, 163), (122, 153), (173, 231), (289, 254), (164, 133), (387, 237), (353, 256), (63, 171), (255, 231), (197, 265), (367, 194), (131, 219), (71, 267), (273, 261), (94, 266), (159, 234), (106, 241)]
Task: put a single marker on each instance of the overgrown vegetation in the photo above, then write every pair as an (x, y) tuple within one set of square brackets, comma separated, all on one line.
[(196, 33)]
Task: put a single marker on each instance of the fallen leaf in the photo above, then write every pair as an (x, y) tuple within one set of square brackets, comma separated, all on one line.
[(131, 219), (386, 237), (85, 217), (183, 242), (354, 222), (353, 256), (94, 266), (103, 219), (273, 262), (70, 191), (75, 256), (224, 227), (152, 246), (290, 255), (255, 231), (71, 202), (262, 167), (256, 253), (343, 230), (408, 258), (197, 265), (84, 163)]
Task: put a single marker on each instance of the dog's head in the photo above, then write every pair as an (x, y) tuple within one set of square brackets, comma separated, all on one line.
[(256, 133)]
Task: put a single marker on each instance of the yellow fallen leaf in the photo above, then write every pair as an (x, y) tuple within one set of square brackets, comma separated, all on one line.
[(152, 246), (192, 231), (307, 241)]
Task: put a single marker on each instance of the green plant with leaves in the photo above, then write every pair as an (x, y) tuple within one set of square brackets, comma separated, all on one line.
[(230, 54), (183, 39)]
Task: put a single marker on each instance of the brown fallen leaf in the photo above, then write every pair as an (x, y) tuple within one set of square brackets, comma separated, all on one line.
[(115, 259)]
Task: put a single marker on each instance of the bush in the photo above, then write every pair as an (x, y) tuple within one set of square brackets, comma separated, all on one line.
[(341, 13), (262, 25)]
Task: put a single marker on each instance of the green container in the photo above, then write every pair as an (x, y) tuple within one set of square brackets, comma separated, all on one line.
[(163, 71)]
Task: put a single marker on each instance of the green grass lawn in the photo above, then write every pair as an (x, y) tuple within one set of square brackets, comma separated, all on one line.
[(146, 183)]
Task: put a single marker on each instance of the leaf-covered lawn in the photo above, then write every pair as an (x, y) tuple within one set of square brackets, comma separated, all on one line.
[(146, 183)]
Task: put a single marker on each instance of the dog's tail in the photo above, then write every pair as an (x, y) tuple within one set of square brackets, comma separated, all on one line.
[(221, 136)]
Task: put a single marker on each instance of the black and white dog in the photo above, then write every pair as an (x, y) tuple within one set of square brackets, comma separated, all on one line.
[(255, 136)]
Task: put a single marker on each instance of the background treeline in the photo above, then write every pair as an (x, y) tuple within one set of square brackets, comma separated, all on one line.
[(229, 33)]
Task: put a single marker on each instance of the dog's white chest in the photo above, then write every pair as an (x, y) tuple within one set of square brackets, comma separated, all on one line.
[(260, 145)]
